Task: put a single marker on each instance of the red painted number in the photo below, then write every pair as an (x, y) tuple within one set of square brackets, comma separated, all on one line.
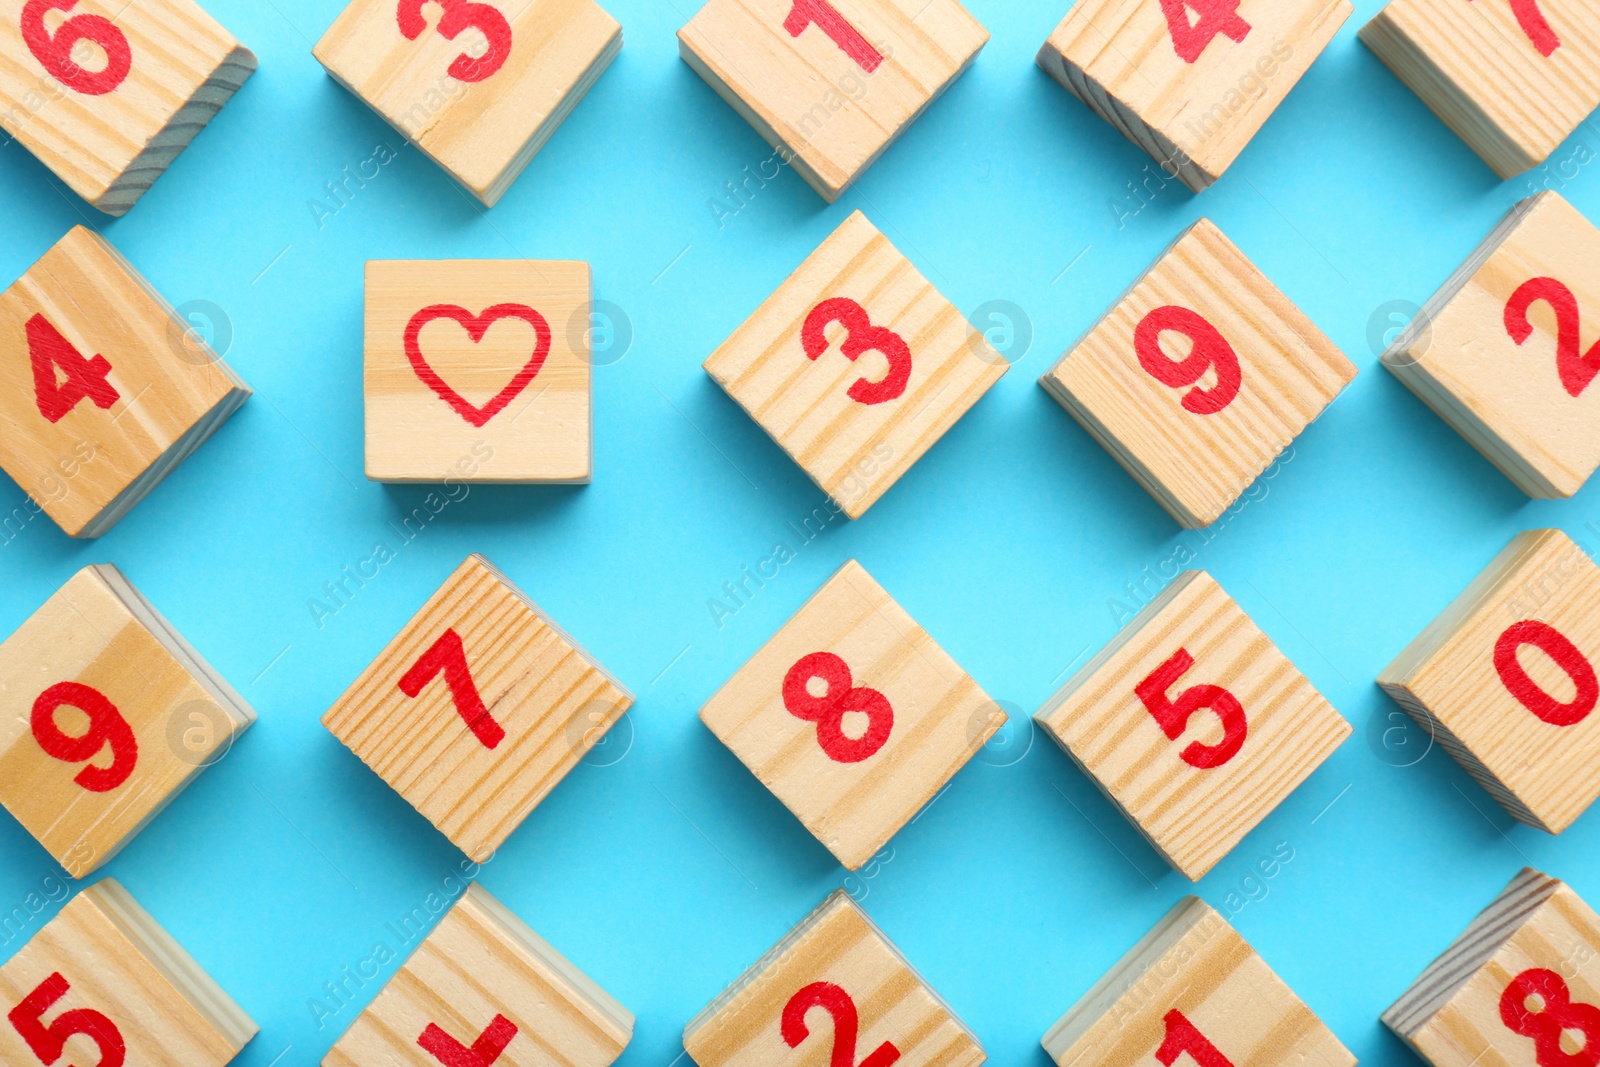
[(861, 336), (829, 709), (1174, 715), (823, 15), (54, 51), (1536, 26), (85, 379), (460, 16), (846, 1024), (1215, 17), (49, 1042), (484, 1051), (1183, 1036), (1553, 643), (107, 728), (448, 657), (1577, 368), (1538, 1004), (1210, 350)]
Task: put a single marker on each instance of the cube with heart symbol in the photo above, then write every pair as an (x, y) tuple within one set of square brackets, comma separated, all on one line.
[(483, 988), (478, 371), (1507, 351), (856, 365)]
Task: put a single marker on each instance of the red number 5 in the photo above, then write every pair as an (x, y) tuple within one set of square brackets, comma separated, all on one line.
[(107, 727), (829, 709), (448, 656), (49, 1042), (1553, 643), (54, 52), (1173, 716), (1210, 349), (459, 16), (846, 1025), (838, 29)]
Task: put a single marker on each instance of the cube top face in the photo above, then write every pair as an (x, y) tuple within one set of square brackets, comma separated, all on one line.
[(835, 972), (105, 715), (852, 716), (856, 365), (1193, 723), (478, 371), (1507, 677), (835, 81), (483, 975), (1531, 406), (1193, 985), (1199, 376), (477, 708), (100, 382), (480, 116)]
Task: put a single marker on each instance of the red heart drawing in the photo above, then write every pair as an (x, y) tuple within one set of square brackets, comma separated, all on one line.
[(476, 326)]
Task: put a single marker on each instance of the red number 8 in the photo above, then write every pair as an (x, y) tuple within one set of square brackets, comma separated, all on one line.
[(828, 711), (1556, 1013), (1211, 349), (106, 727), (54, 53)]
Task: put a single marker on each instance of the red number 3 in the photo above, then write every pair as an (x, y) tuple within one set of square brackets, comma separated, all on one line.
[(862, 337), (1577, 368), (1555, 1014), (1210, 350), (54, 51), (107, 727), (1216, 17), (828, 711), (49, 1042), (846, 1025), (1174, 715), (459, 16)]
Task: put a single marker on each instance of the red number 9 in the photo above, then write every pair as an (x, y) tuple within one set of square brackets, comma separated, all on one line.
[(106, 727), (54, 52), (459, 16), (1211, 349), (829, 709)]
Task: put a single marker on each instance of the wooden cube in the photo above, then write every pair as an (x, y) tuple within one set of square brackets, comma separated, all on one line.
[(832, 978), (1497, 352), (1512, 78), (1193, 985), (84, 341), (104, 975), (482, 981), (1199, 376), (830, 83), (478, 371), (1518, 987), (1193, 723), (1190, 86), (852, 716), (856, 365), (477, 708), (479, 89), (106, 715), (1505, 679)]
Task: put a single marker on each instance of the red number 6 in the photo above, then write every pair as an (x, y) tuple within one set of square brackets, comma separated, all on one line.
[(459, 16), (1211, 349), (107, 727), (1173, 716), (54, 52)]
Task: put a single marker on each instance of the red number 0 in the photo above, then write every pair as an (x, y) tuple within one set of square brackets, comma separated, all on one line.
[(828, 711), (806, 12), (1577, 369), (846, 1024), (1173, 716), (461, 15), (1210, 349), (54, 52), (1536, 26), (1554, 1015), (49, 1042), (107, 727), (1216, 17), (448, 656), (861, 336), (1553, 643), (1183, 1036), (85, 378), (484, 1051)]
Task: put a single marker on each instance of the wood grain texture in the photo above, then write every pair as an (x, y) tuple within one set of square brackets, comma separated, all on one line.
[(807, 95), (840, 945), (96, 630), (1507, 399), (1195, 963), (1193, 816), (483, 133), (1197, 465), (543, 434), (1481, 72), (855, 451), (482, 962), (550, 696), (92, 466), (1543, 774), (940, 717), (1118, 56), (118, 961)]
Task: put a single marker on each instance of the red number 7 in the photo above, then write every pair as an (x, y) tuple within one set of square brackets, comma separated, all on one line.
[(448, 657), (1174, 715)]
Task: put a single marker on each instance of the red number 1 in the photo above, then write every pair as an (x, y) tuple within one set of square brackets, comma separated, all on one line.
[(49, 1042), (448, 657), (1183, 1036), (806, 12), (1536, 26), (1174, 715), (484, 1051)]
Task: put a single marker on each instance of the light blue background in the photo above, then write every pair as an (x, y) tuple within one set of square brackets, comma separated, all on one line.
[(665, 873)]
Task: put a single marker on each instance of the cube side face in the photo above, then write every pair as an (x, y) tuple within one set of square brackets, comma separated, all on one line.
[(852, 716), (478, 371)]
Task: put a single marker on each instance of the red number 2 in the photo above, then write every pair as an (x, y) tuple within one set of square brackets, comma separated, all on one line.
[(1577, 369), (54, 52), (85, 378), (1210, 349), (806, 12), (459, 16), (49, 1042), (484, 1051), (1183, 1036), (1216, 17), (107, 727), (846, 1024), (1554, 1015), (1536, 26), (828, 711), (1173, 716), (448, 656), (1553, 643), (862, 336)]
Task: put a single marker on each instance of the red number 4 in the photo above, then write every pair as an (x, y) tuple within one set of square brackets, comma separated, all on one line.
[(85, 378), (1216, 17), (448, 657), (1174, 715), (49, 1042)]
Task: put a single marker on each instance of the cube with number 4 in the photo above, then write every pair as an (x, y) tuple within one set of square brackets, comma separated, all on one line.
[(1193, 723), (477, 708)]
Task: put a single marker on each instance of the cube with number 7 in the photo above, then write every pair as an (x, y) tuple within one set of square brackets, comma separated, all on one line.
[(1193, 723)]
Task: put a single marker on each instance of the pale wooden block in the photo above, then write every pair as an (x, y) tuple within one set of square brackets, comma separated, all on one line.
[(1193, 986), (1505, 679), (1502, 995), (852, 716), (835, 972), (1248, 370), (477, 708), (478, 370), (146, 716), (831, 82), (1191, 97), (856, 365), (1527, 405), (483, 975), (104, 390), (1512, 78), (480, 87), (106, 977), (1193, 723)]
